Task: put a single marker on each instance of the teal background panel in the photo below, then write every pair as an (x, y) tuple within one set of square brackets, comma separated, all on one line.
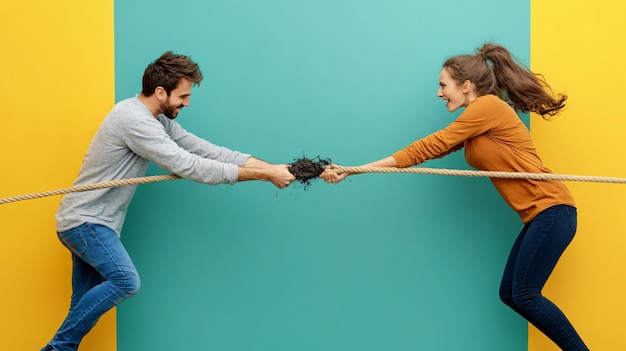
[(378, 262)]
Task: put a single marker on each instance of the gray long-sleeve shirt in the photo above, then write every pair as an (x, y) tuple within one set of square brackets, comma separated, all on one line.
[(127, 140)]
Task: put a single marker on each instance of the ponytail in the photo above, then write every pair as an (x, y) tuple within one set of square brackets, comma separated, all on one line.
[(494, 71)]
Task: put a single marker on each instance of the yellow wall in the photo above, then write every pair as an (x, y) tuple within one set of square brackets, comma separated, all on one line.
[(56, 65), (580, 46), (57, 69)]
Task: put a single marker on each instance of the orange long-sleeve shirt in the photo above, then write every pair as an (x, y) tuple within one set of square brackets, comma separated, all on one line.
[(495, 139)]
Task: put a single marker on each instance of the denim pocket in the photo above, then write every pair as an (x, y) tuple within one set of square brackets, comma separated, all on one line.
[(572, 218), (74, 240)]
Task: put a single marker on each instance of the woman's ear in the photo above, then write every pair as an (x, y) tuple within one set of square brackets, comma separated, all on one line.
[(466, 87)]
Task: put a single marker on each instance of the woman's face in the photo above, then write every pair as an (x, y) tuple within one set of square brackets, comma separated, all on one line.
[(455, 94)]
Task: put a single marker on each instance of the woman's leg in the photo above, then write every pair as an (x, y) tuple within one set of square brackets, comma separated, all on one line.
[(506, 286), (533, 258)]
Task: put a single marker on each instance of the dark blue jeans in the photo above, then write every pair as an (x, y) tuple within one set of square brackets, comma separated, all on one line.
[(533, 258), (103, 275)]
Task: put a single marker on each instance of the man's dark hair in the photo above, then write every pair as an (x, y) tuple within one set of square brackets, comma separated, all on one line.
[(166, 72)]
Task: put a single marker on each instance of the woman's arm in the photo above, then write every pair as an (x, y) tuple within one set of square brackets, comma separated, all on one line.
[(331, 177)]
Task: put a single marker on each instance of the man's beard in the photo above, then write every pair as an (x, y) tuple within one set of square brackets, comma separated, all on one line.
[(170, 111)]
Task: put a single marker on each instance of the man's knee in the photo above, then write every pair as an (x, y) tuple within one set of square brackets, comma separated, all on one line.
[(127, 281), (133, 283)]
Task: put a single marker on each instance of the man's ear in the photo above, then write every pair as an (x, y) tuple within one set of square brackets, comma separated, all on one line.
[(160, 93)]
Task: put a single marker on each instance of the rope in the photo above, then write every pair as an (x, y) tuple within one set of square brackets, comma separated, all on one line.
[(101, 185), (338, 170), (490, 174)]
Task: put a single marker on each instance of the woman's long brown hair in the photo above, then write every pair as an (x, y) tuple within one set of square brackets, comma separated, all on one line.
[(493, 70)]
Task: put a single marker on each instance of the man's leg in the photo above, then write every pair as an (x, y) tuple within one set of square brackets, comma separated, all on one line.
[(98, 247)]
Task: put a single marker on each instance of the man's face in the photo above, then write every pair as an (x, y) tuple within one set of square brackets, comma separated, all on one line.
[(178, 98)]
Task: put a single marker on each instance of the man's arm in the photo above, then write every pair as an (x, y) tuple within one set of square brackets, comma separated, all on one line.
[(254, 162), (255, 169)]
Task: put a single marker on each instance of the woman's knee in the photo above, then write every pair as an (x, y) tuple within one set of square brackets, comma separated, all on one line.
[(507, 297), (525, 297)]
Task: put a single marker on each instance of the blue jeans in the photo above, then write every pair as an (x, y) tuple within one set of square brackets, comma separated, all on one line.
[(103, 275), (533, 258)]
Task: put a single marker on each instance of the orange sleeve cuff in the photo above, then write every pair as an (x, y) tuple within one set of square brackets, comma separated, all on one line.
[(402, 158)]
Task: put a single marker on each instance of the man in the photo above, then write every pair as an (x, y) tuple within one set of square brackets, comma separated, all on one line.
[(136, 131)]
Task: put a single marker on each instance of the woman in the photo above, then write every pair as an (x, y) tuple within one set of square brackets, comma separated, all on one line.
[(491, 86)]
